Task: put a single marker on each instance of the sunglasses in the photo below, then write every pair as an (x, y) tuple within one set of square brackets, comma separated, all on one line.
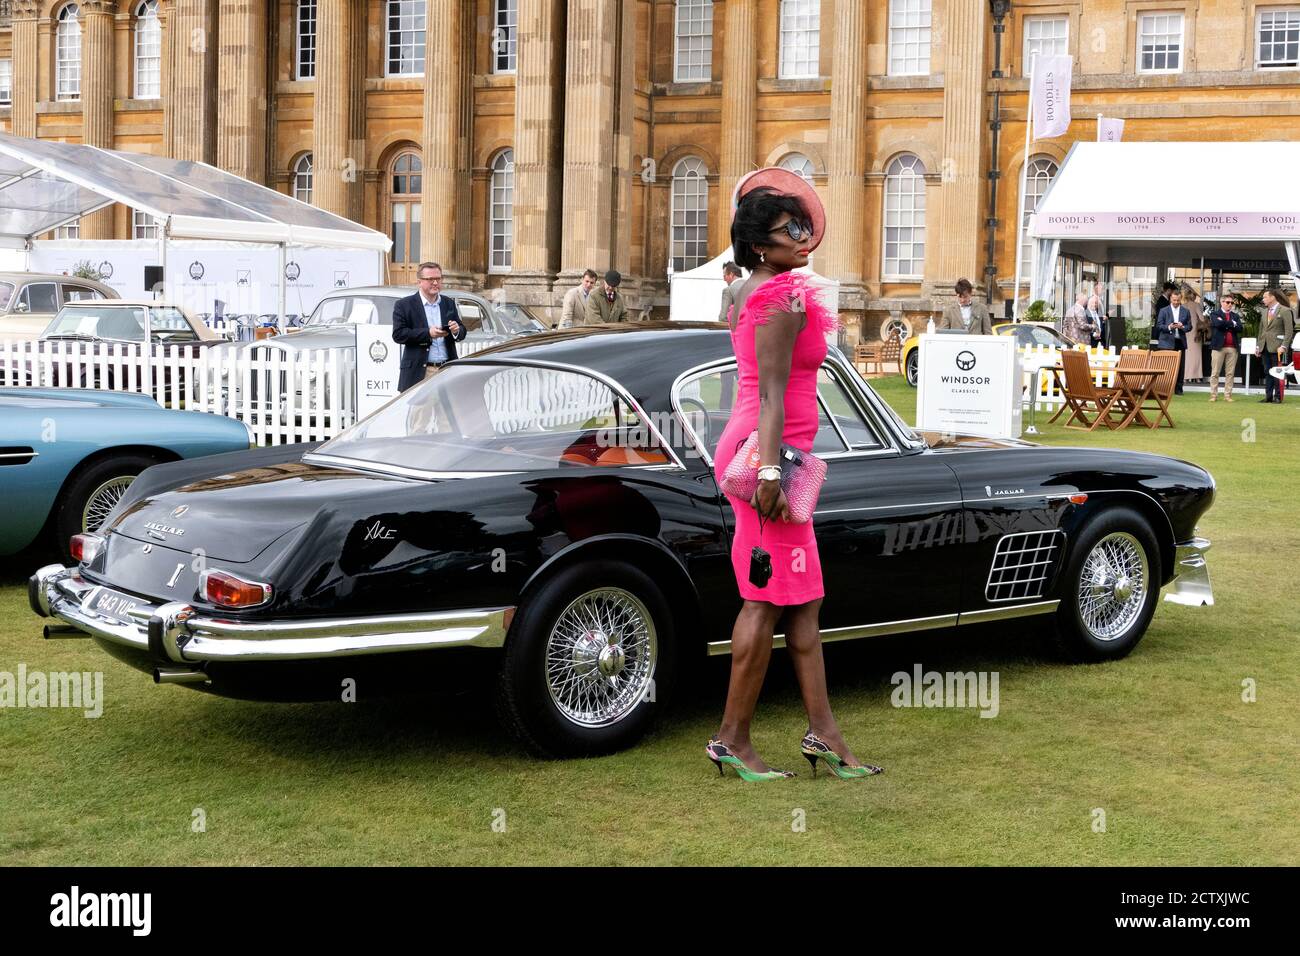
[(796, 229)]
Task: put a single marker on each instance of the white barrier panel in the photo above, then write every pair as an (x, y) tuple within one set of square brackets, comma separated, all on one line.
[(970, 385), (253, 386)]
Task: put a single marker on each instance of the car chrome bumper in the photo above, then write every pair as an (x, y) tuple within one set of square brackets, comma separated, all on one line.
[(178, 633), (1191, 583)]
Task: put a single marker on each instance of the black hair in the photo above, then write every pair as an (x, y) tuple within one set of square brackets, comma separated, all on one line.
[(752, 223), (1169, 284)]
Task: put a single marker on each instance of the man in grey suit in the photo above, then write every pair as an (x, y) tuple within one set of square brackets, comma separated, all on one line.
[(1172, 326), (966, 314), (1276, 328), (730, 273)]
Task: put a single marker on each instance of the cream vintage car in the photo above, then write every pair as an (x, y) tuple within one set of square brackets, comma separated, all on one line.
[(29, 301)]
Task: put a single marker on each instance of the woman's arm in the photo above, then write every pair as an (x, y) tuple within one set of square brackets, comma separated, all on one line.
[(774, 348)]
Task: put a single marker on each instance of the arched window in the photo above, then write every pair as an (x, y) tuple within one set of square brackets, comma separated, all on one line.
[(800, 39), (405, 186), (67, 54), (904, 218), (690, 214), (148, 51), (799, 163), (1038, 176), (302, 178), (304, 56), (693, 51), (405, 38), (505, 38), (502, 225)]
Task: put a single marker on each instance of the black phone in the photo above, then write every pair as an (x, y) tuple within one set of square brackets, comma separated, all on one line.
[(760, 567)]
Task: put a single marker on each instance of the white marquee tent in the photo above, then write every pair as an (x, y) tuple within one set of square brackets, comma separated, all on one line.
[(45, 184), (695, 295), (1117, 203)]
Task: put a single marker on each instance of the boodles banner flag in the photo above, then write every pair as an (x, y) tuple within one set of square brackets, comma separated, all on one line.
[(1109, 129), (1051, 94)]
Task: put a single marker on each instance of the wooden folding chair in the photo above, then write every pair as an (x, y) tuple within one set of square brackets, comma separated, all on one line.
[(1082, 395), (893, 351), (1163, 392)]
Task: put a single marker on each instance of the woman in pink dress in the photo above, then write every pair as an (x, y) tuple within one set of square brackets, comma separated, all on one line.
[(778, 331)]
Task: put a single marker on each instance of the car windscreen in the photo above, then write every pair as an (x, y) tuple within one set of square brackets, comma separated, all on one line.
[(169, 324), (346, 309), (477, 417), (516, 320), (6, 294), (122, 323)]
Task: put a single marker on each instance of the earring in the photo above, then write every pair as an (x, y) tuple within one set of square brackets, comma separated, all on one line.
[(762, 257)]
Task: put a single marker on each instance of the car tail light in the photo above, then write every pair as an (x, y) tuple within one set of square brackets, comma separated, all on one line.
[(1079, 498), (228, 590), (85, 547)]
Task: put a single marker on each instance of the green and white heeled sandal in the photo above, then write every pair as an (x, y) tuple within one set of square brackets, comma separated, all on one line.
[(814, 748), (717, 752)]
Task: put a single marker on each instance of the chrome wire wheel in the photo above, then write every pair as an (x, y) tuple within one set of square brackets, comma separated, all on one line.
[(600, 657), (102, 500), (1113, 585)]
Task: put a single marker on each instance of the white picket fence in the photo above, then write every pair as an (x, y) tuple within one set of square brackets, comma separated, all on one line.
[(1049, 393), (252, 386)]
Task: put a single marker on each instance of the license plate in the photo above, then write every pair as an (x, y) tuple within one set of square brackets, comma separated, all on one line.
[(113, 605)]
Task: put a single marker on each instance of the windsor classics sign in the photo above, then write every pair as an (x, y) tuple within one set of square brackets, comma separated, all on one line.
[(970, 385)]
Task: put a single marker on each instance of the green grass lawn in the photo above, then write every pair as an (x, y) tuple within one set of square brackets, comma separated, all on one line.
[(1184, 770)]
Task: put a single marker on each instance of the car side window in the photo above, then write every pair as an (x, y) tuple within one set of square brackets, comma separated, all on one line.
[(1044, 337), (470, 315), (171, 325), (77, 293), (705, 402), (40, 297), (844, 414)]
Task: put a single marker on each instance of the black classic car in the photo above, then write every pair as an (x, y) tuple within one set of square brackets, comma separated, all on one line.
[(547, 507)]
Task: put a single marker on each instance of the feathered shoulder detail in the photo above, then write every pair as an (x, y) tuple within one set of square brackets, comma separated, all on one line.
[(789, 292)]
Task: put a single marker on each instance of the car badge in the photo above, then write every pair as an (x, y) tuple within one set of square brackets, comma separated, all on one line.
[(147, 549), (180, 511), (377, 532), (160, 530)]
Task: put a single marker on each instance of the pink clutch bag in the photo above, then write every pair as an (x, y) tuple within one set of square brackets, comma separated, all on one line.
[(802, 474)]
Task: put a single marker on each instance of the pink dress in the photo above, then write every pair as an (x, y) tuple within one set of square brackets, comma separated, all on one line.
[(796, 568)]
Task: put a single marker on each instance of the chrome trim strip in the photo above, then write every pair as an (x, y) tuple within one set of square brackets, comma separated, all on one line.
[(186, 637), (901, 504), (856, 631), (1008, 613), (908, 625), (395, 471), (1191, 580), (22, 454)]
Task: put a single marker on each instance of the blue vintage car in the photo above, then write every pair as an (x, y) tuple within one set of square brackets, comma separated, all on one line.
[(67, 455)]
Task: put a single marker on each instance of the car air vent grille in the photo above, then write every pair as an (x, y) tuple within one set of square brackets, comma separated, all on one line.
[(16, 455), (1022, 565)]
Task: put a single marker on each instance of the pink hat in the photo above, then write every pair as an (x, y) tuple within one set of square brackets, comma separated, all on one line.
[(791, 184)]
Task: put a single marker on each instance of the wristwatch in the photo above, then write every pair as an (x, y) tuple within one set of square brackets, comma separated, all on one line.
[(769, 473)]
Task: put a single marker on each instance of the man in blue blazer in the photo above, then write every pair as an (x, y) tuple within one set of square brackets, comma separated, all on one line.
[(428, 327), (1172, 325), (1226, 331)]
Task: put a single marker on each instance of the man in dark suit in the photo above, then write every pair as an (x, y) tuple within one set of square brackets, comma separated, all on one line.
[(427, 325), (1172, 325)]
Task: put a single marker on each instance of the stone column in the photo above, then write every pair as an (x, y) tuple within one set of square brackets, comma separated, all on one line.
[(539, 128), (739, 107), (334, 170), (446, 173), (953, 241), (25, 43), (591, 71), (97, 97), (241, 89), (841, 253), (192, 125)]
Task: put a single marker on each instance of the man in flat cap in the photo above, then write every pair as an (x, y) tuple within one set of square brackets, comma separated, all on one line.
[(607, 305)]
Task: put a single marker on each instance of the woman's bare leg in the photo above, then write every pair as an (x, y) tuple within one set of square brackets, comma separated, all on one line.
[(803, 638), (751, 649)]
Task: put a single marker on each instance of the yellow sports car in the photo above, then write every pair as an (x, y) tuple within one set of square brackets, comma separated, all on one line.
[(1028, 333)]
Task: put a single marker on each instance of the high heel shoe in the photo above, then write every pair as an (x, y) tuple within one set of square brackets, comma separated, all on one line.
[(717, 752), (813, 747)]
